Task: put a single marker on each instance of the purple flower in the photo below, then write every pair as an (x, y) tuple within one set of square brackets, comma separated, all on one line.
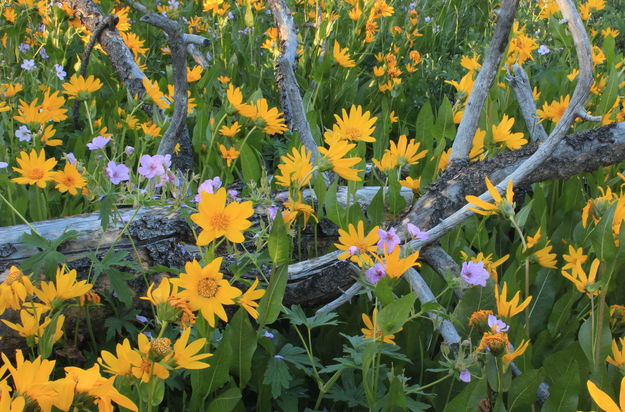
[(278, 356), (388, 239), (427, 19), (23, 134), (71, 158), (417, 233), (375, 273), (28, 65), (151, 166), (129, 150), (497, 325), (98, 142), (233, 194), (148, 334), (353, 250), (272, 212), (474, 273), (268, 335), (43, 53), (60, 73), (141, 319), (117, 173), (23, 47), (208, 186), (4, 165), (465, 376), (542, 50), (282, 197)]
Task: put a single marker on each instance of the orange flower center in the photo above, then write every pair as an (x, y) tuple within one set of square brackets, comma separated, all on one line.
[(36, 174), (352, 133), (69, 181), (220, 221), (161, 346), (207, 287)]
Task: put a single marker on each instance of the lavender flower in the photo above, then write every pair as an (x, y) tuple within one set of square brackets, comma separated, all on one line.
[(43, 53), (465, 376), (151, 166), (375, 273), (417, 233), (71, 158), (117, 173), (98, 142), (28, 65), (4, 165), (60, 73), (497, 325), (23, 47), (272, 212), (141, 319), (129, 150), (208, 186), (474, 273), (23, 134), (388, 239), (268, 335), (542, 50)]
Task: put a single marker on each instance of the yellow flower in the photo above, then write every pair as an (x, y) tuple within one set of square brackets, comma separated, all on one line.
[(521, 46), (31, 327), (8, 403), (372, 329), (145, 365), (510, 356), (46, 134), (508, 309), (230, 131), (120, 365), (400, 154), (229, 154), (79, 88), (355, 126), (271, 119), (392, 117), (548, 8), (499, 204), (490, 265), (9, 90), (410, 183), (610, 32), (249, 298), (298, 207), (35, 169), (554, 110), (394, 265), (502, 134), (161, 294), (194, 74), (4, 107), (155, 94), (235, 98), (584, 283), (533, 240), (206, 290), (545, 258), (69, 180), (186, 356), (574, 258), (64, 288), (477, 148), (223, 79), (356, 244), (480, 319), (218, 219), (14, 290), (443, 161), (333, 158), (295, 168), (342, 56), (603, 400), (134, 43), (32, 380), (618, 355), (150, 129)]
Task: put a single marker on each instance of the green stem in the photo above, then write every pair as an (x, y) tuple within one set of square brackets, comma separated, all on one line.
[(88, 116), (22, 218)]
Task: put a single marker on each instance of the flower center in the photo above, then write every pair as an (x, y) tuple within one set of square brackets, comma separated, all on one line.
[(161, 346), (220, 221), (207, 287), (352, 133), (36, 173)]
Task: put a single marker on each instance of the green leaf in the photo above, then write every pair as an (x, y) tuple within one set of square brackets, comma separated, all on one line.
[(297, 317), (375, 210), (395, 399), (250, 165), (585, 337), (384, 290), (226, 401), (468, 399), (279, 242), (524, 213), (523, 390), (393, 316), (206, 381), (601, 237), (474, 299), (106, 207), (563, 372), (48, 259), (241, 336), (46, 341), (277, 375), (333, 210), (271, 303)]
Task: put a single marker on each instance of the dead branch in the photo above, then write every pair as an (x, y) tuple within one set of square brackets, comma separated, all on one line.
[(468, 125), (290, 98), (517, 78)]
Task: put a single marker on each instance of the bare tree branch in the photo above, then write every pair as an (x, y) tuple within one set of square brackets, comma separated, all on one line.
[(468, 125), (517, 78), (292, 104)]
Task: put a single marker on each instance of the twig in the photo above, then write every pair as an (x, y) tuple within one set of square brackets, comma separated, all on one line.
[(582, 114), (292, 104), (197, 55), (520, 84), (177, 132), (473, 110), (344, 298)]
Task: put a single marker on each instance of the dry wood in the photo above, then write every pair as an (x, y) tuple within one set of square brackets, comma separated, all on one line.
[(517, 78)]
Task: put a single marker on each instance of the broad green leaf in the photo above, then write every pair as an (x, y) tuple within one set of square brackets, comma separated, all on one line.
[(562, 370), (225, 401), (393, 316), (523, 390), (271, 302), (250, 165), (241, 336), (469, 398), (206, 381), (395, 399), (279, 242)]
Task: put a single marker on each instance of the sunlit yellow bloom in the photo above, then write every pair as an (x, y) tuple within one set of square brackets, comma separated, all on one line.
[(334, 158), (372, 329), (120, 365), (79, 88), (235, 98), (603, 400), (356, 244), (206, 290), (228, 154), (194, 74), (249, 299), (545, 258), (610, 32), (443, 160), (187, 356), (30, 326), (9, 90), (533, 240), (510, 356), (46, 136), (295, 168), (218, 219), (553, 111), (618, 355), (477, 147), (69, 180), (479, 319), (502, 134), (341, 55), (64, 288), (355, 126), (548, 8), (574, 258), (230, 131), (508, 309), (410, 183), (585, 283), (134, 43), (150, 129), (223, 79), (394, 265), (381, 9), (155, 94), (306, 210), (521, 46), (499, 204), (34, 168), (14, 290), (270, 119), (401, 154), (598, 56), (99, 389), (50, 109)]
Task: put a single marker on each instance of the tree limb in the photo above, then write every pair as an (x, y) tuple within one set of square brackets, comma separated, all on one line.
[(520, 83)]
